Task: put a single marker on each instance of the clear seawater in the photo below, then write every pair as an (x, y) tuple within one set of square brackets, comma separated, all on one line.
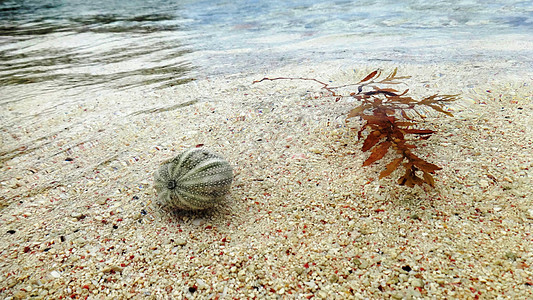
[(77, 46)]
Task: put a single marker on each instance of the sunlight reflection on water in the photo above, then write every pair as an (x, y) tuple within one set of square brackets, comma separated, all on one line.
[(97, 45)]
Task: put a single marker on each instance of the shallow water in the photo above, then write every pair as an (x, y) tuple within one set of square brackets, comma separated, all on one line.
[(78, 46), (82, 130)]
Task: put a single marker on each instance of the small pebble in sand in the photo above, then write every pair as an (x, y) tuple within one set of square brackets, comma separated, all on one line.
[(180, 242), (55, 274)]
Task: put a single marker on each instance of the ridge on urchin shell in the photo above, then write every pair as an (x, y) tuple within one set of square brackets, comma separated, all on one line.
[(195, 179)]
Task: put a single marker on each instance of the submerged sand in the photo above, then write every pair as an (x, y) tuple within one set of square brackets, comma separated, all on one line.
[(304, 218)]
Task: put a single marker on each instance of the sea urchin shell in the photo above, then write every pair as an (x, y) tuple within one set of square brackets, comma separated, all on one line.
[(195, 179)]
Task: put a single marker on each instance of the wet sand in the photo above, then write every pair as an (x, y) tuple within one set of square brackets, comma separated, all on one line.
[(304, 218)]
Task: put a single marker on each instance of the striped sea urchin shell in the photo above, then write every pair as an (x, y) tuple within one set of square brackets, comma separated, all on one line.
[(195, 179)]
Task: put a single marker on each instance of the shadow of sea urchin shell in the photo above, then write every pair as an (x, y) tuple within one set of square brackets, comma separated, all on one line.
[(195, 179)]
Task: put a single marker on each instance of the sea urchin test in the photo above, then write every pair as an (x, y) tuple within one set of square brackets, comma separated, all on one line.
[(195, 179)]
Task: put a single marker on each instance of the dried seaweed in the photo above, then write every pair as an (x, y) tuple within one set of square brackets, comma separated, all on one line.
[(391, 119)]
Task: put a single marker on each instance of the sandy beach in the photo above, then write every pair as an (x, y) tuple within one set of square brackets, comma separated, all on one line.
[(304, 219)]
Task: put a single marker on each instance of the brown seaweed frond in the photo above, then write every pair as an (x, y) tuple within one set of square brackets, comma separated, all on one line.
[(388, 124), (390, 118)]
